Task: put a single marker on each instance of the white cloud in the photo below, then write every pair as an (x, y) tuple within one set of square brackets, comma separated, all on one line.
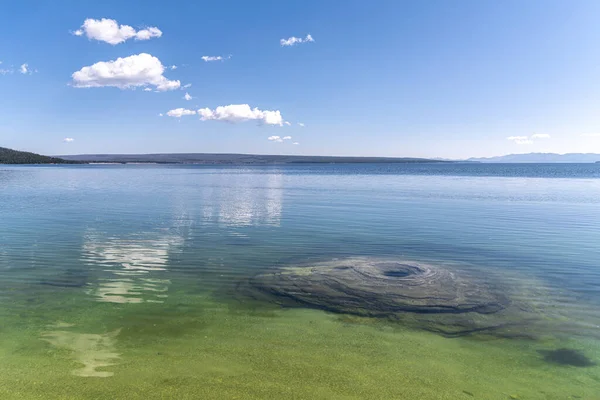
[(528, 139), (180, 112), (287, 123), (109, 31), (23, 69), (147, 89), (68, 140), (540, 136), (186, 86), (187, 96), (279, 139), (301, 124), (173, 67), (160, 114), (125, 73), (296, 143), (240, 113), (215, 58), (296, 40), (520, 139)]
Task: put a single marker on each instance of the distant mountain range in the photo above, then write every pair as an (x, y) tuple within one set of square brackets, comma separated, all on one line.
[(8, 156), (541, 158)]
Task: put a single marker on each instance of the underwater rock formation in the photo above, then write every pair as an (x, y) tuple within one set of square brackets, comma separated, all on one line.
[(437, 298)]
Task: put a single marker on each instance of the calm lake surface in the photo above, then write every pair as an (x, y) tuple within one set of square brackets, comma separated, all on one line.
[(123, 282)]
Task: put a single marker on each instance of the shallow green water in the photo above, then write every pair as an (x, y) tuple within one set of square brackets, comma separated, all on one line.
[(123, 283)]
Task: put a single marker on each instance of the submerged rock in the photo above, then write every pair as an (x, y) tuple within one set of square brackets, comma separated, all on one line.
[(437, 298)]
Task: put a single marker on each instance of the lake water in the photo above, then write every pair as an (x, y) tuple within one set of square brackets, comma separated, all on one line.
[(129, 282)]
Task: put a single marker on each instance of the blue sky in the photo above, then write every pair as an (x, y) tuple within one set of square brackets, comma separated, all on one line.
[(390, 78)]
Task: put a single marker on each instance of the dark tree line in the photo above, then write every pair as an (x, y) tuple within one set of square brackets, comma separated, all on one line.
[(8, 156)]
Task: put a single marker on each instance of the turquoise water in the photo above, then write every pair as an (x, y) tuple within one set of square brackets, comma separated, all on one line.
[(123, 281)]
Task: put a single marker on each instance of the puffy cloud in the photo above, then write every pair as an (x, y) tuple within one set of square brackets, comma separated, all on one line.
[(109, 31), (187, 96), (125, 73), (301, 124), (24, 68), (296, 40), (540, 136), (68, 140), (180, 112), (520, 139), (240, 113), (215, 58)]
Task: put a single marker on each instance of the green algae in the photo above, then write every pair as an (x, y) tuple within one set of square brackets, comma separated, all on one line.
[(193, 346)]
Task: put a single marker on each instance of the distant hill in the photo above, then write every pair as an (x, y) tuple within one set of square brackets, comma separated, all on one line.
[(542, 158), (8, 156), (207, 158)]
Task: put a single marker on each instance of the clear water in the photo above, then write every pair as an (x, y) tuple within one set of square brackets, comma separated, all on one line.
[(120, 282)]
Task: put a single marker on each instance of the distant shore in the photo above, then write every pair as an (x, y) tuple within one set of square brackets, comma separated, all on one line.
[(235, 159)]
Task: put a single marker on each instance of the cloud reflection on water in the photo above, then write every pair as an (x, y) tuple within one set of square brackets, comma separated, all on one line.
[(241, 200), (131, 267), (92, 350)]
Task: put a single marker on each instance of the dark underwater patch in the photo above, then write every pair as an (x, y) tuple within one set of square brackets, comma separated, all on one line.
[(567, 357)]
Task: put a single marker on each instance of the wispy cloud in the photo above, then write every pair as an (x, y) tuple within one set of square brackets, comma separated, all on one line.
[(288, 123), (291, 41), (215, 58), (68, 140), (186, 86), (301, 124), (24, 68), (295, 143), (540, 136), (240, 113), (109, 31), (520, 139), (187, 96), (528, 139), (590, 134), (279, 139), (173, 67), (125, 73)]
